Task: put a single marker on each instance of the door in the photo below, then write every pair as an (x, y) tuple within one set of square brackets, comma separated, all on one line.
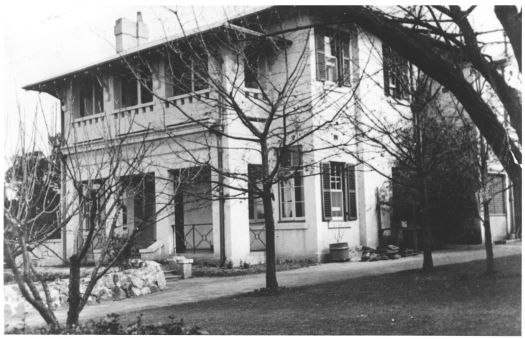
[(180, 243)]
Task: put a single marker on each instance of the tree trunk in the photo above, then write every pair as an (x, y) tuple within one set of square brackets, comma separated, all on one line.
[(269, 224), (74, 297), (510, 19), (428, 263), (488, 238), (31, 296)]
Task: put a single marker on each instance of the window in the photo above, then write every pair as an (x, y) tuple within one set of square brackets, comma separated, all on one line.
[(255, 203), (133, 88), (186, 74), (338, 191), (333, 56), (496, 187), (291, 190), (395, 72), (254, 67), (91, 97)]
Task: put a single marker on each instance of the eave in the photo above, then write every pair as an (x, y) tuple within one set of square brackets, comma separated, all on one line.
[(49, 85)]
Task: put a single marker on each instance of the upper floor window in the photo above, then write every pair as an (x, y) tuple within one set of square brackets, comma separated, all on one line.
[(254, 67), (91, 96), (333, 56), (186, 73), (291, 188), (133, 87), (395, 72), (338, 191)]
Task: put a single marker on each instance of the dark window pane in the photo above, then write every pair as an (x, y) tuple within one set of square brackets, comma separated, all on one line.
[(200, 72), (99, 97), (129, 90), (146, 87), (299, 209), (86, 98)]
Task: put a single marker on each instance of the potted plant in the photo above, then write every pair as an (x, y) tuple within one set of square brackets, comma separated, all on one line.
[(339, 250)]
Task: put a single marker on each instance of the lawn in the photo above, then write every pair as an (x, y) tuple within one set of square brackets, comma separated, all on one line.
[(453, 300)]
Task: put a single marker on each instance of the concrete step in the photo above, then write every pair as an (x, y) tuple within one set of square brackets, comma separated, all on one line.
[(172, 277)]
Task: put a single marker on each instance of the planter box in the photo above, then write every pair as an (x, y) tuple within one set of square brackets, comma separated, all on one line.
[(339, 251)]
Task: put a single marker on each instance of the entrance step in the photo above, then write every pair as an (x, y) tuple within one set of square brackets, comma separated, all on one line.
[(172, 275)]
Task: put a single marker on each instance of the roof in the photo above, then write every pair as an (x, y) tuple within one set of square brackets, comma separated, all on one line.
[(150, 46)]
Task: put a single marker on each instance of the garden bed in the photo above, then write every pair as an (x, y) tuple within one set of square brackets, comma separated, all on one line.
[(205, 268)]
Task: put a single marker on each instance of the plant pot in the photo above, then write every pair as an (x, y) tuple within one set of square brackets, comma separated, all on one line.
[(339, 251)]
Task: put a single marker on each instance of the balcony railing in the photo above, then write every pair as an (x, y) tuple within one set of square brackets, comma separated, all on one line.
[(197, 237), (257, 238)]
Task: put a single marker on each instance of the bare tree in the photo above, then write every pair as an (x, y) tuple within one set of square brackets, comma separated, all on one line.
[(256, 101), (94, 181), (440, 40)]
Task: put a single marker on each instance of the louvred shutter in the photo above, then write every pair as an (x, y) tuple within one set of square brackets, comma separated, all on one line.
[(386, 69), (345, 46), (320, 57), (325, 185), (352, 203)]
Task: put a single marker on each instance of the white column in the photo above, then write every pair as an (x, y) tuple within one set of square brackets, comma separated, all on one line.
[(71, 208), (164, 192)]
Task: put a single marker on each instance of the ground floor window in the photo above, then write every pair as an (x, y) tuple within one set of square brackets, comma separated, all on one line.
[(338, 191), (291, 188), (496, 186)]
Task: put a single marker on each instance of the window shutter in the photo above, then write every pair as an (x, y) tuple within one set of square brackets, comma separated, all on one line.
[(345, 59), (352, 203), (325, 188), (320, 57), (405, 83), (386, 70)]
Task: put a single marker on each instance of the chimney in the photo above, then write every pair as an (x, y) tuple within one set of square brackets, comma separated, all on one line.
[(130, 34)]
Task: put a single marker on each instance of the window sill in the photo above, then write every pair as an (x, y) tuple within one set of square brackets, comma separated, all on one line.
[(334, 87), (332, 224), (291, 225)]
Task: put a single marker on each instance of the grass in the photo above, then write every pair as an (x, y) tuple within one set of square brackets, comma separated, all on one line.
[(453, 300)]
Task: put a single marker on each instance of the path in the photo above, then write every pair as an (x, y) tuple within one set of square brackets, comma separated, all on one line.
[(198, 289)]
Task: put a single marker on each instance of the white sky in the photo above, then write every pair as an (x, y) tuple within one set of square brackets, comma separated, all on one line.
[(44, 40), (41, 40)]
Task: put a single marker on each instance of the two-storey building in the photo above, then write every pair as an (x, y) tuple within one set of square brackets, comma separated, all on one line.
[(182, 97)]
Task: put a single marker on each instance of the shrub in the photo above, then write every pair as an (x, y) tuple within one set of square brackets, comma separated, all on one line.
[(131, 251), (111, 325)]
